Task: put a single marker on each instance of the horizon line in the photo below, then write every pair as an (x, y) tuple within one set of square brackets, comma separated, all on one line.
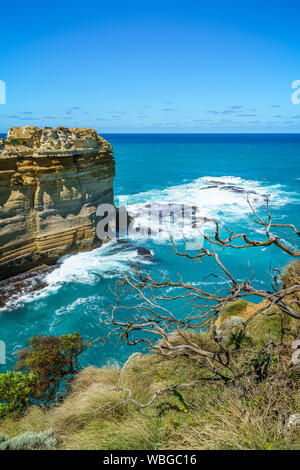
[(180, 133)]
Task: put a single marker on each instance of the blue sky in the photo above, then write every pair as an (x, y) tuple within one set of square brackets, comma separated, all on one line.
[(139, 66)]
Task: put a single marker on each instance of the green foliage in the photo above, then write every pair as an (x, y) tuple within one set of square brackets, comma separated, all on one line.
[(28, 441), (212, 415), (162, 375), (15, 142), (234, 309), (15, 390), (53, 359), (268, 446), (239, 339), (291, 274), (260, 364), (273, 325)]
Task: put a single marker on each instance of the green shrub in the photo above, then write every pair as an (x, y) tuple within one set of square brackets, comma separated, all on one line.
[(239, 338), (15, 390), (291, 274), (233, 309), (15, 142), (54, 360)]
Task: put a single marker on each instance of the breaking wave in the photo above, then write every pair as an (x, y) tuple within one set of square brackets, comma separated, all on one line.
[(224, 198)]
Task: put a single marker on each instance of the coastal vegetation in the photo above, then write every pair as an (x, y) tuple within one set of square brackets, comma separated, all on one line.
[(250, 414), (224, 376), (45, 371), (15, 389)]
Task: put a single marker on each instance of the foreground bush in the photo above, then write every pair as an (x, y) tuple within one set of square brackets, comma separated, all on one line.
[(212, 415), (29, 441), (54, 361), (15, 390)]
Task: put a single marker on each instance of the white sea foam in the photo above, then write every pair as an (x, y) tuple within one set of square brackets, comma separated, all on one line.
[(224, 198), (88, 267), (80, 301)]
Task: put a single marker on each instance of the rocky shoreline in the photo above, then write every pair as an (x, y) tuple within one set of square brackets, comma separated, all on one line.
[(13, 288)]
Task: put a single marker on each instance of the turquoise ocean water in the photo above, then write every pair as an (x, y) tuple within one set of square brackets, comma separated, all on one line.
[(215, 173)]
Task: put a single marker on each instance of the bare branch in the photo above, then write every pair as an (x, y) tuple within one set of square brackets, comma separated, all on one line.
[(272, 239), (157, 392), (152, 319)]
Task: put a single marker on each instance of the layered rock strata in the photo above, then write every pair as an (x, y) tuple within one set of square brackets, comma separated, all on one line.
[(51, 183)]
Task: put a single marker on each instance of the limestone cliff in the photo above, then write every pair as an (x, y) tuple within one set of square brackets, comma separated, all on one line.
[(51, 182)]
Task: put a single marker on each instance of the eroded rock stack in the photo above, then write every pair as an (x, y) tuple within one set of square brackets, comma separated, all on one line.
[(51, 183)]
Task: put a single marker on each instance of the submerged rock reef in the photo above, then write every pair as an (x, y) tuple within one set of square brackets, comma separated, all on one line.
[(51, 183)]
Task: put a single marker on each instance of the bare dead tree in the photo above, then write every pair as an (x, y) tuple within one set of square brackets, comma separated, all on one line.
[(234, 238), (151, 320)]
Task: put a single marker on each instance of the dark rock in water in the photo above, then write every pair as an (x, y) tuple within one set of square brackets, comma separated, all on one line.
[(232, 187), (147, 254), (208, 187), (141, 251), (26, 283), (238, 189), (121, 241), (216, 182), (235, 189)]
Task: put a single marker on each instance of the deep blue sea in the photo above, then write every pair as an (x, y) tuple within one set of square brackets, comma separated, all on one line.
[(215, 173)]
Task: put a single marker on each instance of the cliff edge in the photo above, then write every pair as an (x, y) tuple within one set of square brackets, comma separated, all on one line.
[(51, 183)]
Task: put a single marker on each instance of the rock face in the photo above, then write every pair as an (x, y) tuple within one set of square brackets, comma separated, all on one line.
[(51, 182)]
